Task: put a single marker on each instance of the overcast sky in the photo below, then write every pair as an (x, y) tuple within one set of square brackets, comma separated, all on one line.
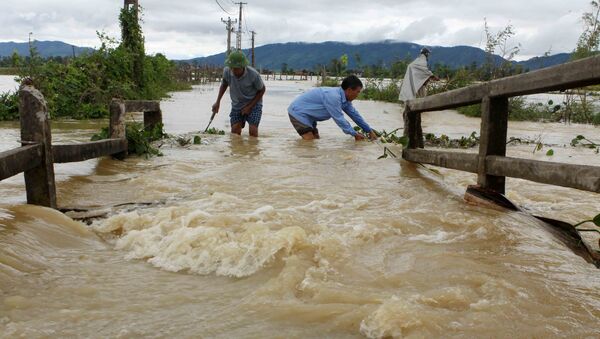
[(185, 29)]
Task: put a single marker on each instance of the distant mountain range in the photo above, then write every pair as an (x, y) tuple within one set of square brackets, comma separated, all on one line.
[(45, 48), (300, 55)]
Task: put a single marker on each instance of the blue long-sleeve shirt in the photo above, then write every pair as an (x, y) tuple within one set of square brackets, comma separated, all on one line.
[(323, 103)]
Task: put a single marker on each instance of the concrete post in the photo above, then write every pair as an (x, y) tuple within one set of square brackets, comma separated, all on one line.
[(151, 119), (35, 128), (494, 125), (117, 124), (412, 128)]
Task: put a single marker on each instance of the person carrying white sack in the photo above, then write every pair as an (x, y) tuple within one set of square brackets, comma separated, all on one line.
[(414, 85)]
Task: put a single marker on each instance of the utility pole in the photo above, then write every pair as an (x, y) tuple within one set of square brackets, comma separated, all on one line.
[(238, 44), (253, 34), (134, 3), (229, 27)]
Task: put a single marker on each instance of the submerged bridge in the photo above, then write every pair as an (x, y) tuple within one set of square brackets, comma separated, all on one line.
[(37, 155), (491, 164)]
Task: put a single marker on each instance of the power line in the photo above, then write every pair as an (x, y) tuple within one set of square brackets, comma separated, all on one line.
[(217, 1), (246, 24), (246, 20)]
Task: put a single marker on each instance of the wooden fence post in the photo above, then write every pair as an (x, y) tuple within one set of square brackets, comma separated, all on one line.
[(35, 128), (117, 124), (494, 125)]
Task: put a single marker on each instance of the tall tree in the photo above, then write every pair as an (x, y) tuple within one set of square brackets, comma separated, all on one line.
[(588, 42), (133, 41)]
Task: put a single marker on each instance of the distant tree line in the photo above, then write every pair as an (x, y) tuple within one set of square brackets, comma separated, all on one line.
[(383, 80)]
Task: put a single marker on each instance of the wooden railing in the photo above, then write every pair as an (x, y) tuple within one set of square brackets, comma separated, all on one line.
[(37, 155), (491, 164)]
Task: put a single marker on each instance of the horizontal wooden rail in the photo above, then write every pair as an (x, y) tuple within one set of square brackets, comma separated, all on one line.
[(19, 160), (142, 106), (567, 175), (88, 150), (448, 100), (459, 161), (581, 177), (574, 74)]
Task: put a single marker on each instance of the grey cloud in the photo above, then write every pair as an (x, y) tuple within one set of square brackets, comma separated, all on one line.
[(193, 28), (421, 29)]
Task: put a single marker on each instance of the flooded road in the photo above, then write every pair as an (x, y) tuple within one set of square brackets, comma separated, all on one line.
[(279, 237)]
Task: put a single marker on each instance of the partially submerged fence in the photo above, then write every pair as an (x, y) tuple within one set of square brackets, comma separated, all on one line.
[(37, 155), (491, 163)]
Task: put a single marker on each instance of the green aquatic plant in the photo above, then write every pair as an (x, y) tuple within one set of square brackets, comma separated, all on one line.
[(197, 140), (387, 138), (580, 140), (214, 130), (392, 138), (183, 141), (139, 139), (445, 142), (595, 221), (386, 153)]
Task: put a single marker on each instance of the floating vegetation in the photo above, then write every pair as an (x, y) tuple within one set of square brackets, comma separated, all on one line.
[(582, 141), (392, 138), (214, 130), (445, 142), (183, 141), (595, 221), (139, 139), (386, 153)]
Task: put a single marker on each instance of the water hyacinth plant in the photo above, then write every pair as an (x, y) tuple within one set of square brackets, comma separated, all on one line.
[(214, 130)]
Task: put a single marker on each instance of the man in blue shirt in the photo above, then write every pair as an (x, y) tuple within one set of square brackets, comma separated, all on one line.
[(246, 90), (324, 103)]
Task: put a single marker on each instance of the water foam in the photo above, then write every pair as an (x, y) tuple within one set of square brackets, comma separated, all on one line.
[(187, 239)]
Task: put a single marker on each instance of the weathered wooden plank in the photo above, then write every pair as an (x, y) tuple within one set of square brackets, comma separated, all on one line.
[(574, 74), (142, 106), (451, 99), (20, 160), (582, 177), (35, 128), (89, 150), (494, 125), (459, 161)]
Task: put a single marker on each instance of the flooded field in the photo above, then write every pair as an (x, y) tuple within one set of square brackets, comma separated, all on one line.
[(279, 237)]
